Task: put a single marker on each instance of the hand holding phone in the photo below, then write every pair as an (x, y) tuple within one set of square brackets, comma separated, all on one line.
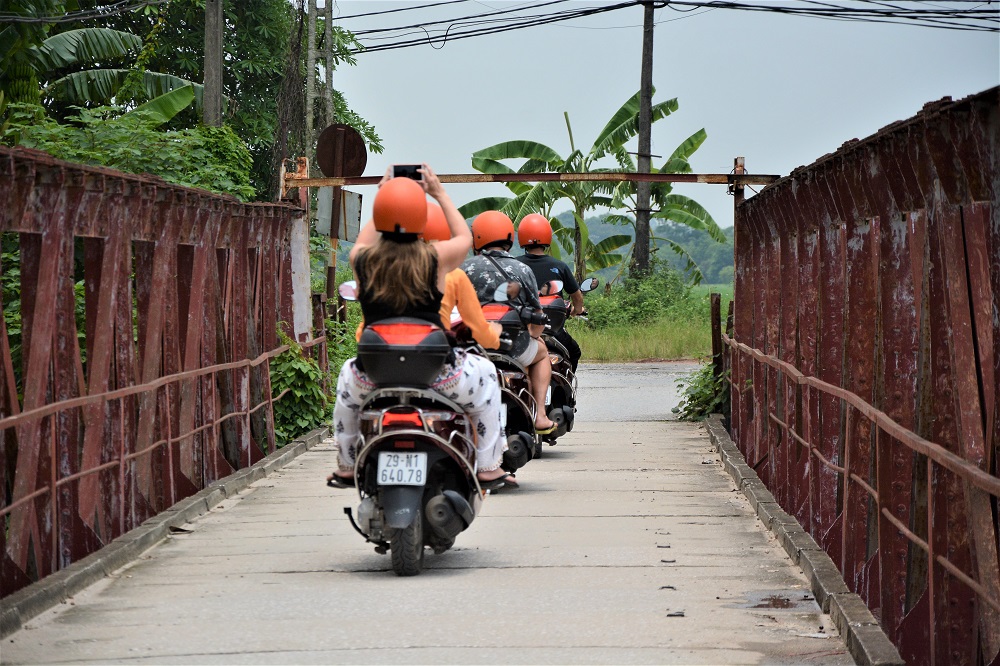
[(407, 171)]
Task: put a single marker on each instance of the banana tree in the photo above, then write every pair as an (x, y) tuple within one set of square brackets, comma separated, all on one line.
[(596, 256), (584, 196)]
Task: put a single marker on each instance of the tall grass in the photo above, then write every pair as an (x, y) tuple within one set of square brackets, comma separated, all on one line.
[(658, 319)]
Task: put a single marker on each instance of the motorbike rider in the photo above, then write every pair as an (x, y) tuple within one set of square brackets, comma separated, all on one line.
[(534, 235), (399, 276), (492, 265), (459, 292)]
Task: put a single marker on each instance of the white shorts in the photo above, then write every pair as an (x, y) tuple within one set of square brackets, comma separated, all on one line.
[(529, 354)]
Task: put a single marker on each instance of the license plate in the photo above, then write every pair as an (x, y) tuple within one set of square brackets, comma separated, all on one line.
[(503, 415), (402, 469), (548, 396)]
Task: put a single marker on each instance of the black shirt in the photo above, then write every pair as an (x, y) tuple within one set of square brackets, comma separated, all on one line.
[(547, 269), (428, 308)]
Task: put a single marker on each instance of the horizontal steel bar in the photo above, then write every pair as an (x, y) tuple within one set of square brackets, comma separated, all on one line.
[(935, 452), (958, 573), (604, 177), (108, 396)]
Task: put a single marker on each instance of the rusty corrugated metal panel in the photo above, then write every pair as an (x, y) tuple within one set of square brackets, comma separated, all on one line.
[(897, 339), (146, 412)]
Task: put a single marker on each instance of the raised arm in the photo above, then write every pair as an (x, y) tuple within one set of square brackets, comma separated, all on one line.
[(452, 252)]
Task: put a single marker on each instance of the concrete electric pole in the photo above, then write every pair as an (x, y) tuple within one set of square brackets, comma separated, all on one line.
[(640, 250), (212, 107)]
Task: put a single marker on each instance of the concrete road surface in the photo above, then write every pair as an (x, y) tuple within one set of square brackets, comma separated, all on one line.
[(626, 544)]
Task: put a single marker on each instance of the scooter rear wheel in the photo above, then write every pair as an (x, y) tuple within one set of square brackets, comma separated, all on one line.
[(406, 547)]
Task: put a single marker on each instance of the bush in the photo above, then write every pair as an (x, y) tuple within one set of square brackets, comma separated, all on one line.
[(703, 394), (305, 406), (210, 158), (639, 300)]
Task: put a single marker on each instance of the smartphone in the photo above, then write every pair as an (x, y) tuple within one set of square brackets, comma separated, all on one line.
[(407, 171)]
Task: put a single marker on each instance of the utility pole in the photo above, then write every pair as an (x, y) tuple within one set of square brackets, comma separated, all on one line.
[(640, 249), (212, 106), (310, 74)]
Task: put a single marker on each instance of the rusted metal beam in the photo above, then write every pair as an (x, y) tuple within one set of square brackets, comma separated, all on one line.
[(293, 180)]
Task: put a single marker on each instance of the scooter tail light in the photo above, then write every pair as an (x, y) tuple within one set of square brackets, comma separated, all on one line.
[(403, 334), (495, 311), (402, 418)]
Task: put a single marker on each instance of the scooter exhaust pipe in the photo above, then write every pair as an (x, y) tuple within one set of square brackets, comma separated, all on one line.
[(520, 447), (443, 517)]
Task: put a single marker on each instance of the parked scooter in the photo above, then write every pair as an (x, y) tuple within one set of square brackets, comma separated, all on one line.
[(416, 467), (560, 399)]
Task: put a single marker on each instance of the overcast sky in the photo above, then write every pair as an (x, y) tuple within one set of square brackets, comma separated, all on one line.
[(781, 91)]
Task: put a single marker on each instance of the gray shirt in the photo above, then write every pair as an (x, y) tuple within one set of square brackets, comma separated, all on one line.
[(486, 278)]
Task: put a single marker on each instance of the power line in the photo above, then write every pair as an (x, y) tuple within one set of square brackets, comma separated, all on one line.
[(111, 9), (957, 16)]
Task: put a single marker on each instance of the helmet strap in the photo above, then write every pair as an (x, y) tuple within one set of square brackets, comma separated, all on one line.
[(397, 237)]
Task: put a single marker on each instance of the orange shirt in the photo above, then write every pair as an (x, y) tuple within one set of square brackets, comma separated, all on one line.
[(459, 292)]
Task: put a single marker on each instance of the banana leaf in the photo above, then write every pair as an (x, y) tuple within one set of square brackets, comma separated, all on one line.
[(690, 266), (683, 210), (161, 109), (624, 125), (519, 149), (87, 45)]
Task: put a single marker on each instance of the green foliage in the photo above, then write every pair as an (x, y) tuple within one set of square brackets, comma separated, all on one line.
[(207, 157), (256, 51), (714, 259), (703, 394), (588, 195), (10, 282), (638, 300), (305, 406)]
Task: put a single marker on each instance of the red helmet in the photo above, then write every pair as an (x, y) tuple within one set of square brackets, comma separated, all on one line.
[(400, 207), (437, 228), (490, 227), (534, 230)]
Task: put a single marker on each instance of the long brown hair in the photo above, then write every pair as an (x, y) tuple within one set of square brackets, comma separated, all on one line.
[(398, 274)]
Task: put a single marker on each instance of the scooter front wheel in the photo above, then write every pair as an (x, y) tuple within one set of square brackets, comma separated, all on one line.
[(406, 547)]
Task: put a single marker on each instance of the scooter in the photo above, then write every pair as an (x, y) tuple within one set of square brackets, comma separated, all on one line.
[(518, 407), (560, 399), (416, 467)]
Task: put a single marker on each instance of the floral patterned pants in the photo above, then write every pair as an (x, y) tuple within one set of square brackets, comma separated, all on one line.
[(471, 381)]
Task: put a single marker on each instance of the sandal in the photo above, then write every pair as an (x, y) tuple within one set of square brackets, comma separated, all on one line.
[(507, 480), (337, 481)]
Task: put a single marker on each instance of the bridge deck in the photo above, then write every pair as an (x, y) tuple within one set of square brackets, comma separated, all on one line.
[(627, 543)]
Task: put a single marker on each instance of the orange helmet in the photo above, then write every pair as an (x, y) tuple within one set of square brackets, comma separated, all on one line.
[(534, 230), (437, 228), (400, 207), (491, 227)]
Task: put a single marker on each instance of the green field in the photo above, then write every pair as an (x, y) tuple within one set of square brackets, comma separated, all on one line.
[(683, 333)]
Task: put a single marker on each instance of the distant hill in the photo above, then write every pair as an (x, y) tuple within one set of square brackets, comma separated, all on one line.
[(714, 259)]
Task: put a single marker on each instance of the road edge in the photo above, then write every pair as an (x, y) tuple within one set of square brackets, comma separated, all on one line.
[(54, 589), (863, 636)]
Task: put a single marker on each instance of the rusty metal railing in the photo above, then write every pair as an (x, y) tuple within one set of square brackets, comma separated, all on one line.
[(865, 361), (148, 314)]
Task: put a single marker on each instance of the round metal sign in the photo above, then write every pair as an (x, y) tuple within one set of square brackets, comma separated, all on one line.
[(346, 140)]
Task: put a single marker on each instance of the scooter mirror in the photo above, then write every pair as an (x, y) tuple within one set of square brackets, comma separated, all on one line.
[(507, 291), (551, 287), (348, 290), (589, 284)]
